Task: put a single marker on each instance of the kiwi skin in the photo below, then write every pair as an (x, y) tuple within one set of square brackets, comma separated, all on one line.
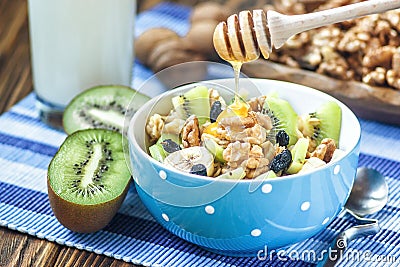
[(84, 218)]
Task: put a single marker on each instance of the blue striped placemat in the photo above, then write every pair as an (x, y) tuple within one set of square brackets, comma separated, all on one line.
[(27, 146)]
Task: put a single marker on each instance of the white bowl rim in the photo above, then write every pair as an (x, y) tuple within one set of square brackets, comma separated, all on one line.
[(132, 139)]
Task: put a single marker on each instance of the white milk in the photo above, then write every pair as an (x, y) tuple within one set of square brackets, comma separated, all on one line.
[(76, 44)]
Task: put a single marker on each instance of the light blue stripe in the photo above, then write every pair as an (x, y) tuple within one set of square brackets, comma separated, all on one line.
[(24, 157), (34, 131)]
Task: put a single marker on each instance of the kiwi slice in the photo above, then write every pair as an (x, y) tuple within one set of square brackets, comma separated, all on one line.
[(193, 102), (88, 179), (214, 149), (299, 152), (325, 122), (174, 137), (235, 174), (283, 117), (267, 175), (157, 152), (104, 107)]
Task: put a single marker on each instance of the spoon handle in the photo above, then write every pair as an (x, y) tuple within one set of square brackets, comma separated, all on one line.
[(339, 244), (282, 27)]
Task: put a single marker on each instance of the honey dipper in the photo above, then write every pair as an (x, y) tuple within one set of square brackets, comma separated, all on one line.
[(242, 38)]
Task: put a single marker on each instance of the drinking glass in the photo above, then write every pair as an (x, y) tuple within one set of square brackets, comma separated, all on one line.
[(78, 44)]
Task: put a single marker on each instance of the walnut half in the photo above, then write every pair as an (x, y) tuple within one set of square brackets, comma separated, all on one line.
[(154, 127), (191, 132), (325, 150)]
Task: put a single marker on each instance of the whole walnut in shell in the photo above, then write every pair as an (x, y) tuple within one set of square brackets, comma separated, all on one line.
[(160, 48)]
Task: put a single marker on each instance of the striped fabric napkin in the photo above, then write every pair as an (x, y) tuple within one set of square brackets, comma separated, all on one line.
[(27, 146)]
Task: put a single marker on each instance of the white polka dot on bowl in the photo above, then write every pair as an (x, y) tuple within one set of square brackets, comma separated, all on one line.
[(165, 217), (162, 174), (267, 188), (305, 205), (255, 232), (325, 220), (209, 209)]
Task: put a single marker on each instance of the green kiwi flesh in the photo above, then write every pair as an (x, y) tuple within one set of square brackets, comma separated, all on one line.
[(193, 102), (88, 179), (299, 152), (283, 117), (157, 152), (267, 175), (330, 116), (104, 107), (235, 174), (173, 137), (325, 122), (214, 149)]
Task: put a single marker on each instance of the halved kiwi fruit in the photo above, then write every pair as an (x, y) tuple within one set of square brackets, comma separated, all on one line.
[(88, 179), (283, 117), (104, 107)]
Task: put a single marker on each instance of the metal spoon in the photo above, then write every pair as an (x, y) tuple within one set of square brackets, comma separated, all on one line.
[(368, 195)]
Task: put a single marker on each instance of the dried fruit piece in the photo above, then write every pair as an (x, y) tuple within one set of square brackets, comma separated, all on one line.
[(170, 146), (282, 138), (281, 161), (199, 169), (215, 110)]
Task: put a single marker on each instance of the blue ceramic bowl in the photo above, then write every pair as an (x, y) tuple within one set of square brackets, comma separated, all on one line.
[(242, 217)]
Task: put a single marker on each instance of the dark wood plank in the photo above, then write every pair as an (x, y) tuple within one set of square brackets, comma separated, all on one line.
[(15, 73), (17, 249)]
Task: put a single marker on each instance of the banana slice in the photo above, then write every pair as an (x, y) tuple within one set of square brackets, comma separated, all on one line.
[(185, 159), (311, 164)]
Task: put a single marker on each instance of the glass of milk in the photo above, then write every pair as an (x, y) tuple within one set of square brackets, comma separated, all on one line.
[(77, 44)]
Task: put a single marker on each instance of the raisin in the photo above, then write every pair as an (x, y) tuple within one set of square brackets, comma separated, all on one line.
[(282, 138), (199, 169), (170, 146), (281, 161), (215, 110)]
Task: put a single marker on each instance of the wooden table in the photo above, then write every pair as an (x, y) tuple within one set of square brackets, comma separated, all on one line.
[(17, 249)]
